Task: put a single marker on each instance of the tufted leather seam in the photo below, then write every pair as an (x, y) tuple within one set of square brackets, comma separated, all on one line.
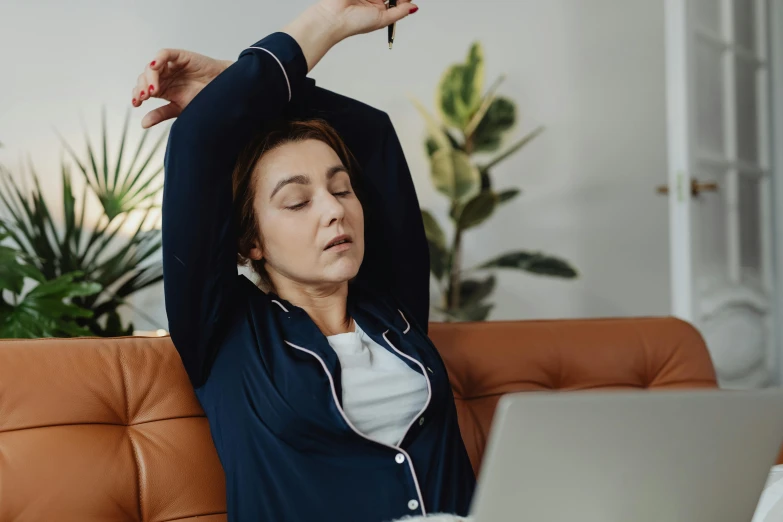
[(672, 354), (101, 423), (647, 379), (194, 516), (123, 369), (137, 463), (596, 387), (559, 350)]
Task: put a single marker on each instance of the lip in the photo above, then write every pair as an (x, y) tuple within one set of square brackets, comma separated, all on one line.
[(341, 247)]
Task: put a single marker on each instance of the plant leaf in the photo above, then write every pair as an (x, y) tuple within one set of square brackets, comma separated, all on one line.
[(511, 150), (474, 312), (486, 102), (533, 262), (432, 229), (460, 88), (500, 117), (436, 241), (436, 132), (476, 210), (454, 175), (507, 195), (478, 312), (64, 287), (472, 291), (44, 313)]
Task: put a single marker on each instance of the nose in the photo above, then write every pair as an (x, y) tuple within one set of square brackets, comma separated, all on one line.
[(333, 210)]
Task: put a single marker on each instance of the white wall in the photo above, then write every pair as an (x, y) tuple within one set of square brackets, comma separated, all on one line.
[(591, 71)]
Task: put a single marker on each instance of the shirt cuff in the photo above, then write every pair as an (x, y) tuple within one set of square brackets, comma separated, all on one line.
[(285, 50)]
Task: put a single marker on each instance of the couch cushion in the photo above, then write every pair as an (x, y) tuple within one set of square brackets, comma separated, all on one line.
[(488, 359), (103, 429)]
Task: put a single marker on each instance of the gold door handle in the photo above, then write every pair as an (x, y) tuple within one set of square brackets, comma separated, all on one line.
[(697, 187)]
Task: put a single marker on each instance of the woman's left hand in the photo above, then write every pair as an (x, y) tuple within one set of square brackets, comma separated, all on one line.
[(328, 22), (364, 16)]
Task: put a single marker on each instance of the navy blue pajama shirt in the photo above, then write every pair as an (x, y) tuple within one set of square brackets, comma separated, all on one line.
[(265, 375)]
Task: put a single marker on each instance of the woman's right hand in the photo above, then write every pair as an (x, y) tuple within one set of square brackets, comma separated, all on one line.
[(175, 75)]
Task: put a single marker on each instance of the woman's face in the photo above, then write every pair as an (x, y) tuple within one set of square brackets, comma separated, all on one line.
[(310, 220)]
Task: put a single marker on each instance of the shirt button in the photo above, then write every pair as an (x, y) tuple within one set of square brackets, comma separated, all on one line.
[(413, 504), (399, 459), (421, 421)]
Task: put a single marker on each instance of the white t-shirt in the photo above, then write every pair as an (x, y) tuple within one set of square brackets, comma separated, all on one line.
[(381, 393)]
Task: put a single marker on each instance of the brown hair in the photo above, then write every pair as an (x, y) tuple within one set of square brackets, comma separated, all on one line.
[(244, 183)]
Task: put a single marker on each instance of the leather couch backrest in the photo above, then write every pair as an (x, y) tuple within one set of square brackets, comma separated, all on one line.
[(489, 359), (110, 429)]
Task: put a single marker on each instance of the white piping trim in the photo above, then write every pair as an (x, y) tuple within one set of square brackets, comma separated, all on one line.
[(280, 305), (285, 74), (406, 321), (350, 425), (429, 386), (426, 404)]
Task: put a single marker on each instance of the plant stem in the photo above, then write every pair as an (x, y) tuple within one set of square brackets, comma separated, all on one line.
[(468, 145), (454, 270)]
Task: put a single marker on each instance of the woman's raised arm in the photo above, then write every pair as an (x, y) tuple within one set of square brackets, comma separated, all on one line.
[(199, 237), (215, 121)]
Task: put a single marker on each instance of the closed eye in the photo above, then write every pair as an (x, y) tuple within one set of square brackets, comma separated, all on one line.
[(298, 206), (342, 194)]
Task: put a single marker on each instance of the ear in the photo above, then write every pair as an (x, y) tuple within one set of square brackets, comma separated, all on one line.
[(256, 254)]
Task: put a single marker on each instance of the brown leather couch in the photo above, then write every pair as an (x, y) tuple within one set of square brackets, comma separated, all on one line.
[(110, 429)]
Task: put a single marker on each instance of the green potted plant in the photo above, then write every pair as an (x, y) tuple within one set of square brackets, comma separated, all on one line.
[(463, 146), (31, 306), (120, 258)]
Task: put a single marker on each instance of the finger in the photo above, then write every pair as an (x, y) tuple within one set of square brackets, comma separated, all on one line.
[(395, 14), (136, 91), (160, 114), (152, 81), (141, 87), (164, 56)]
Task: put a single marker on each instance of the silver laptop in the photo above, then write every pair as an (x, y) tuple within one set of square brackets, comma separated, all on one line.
[(663, 456)]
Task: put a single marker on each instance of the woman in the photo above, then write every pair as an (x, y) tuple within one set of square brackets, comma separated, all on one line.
[(326, 399)]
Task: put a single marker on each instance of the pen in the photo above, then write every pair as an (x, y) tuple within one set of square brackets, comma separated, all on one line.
[(392, 27)]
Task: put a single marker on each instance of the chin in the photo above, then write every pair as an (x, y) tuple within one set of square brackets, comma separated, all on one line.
[(344, 271)]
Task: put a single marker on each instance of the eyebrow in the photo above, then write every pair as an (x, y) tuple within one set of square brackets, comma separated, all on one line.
[(304, 179)]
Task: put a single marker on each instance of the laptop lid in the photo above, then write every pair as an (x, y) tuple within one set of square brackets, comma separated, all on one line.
[(673, 456)]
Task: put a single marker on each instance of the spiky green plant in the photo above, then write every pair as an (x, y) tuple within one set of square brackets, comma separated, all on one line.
[(100, 249), (44, 310), (472, 125)]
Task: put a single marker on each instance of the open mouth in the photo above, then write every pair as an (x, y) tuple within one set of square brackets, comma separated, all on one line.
[(339, 240)]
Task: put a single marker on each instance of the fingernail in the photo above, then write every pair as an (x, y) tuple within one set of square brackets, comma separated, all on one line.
[(133, 101), (151, 88), (414, 9), (152, 63), (141, 93)]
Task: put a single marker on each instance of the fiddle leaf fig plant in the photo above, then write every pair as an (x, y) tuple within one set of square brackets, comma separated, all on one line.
[(464, 144)]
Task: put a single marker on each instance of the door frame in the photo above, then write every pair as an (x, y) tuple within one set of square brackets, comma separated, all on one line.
[(775, 31), (679, 130), (681, 163)]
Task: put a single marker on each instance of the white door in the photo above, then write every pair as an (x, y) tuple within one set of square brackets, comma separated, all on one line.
[(719, 182)]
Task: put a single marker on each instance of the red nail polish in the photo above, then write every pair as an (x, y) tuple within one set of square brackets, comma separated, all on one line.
[(133, 102), (152, 63), (414, 9), (151, 88), (141, 93)]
